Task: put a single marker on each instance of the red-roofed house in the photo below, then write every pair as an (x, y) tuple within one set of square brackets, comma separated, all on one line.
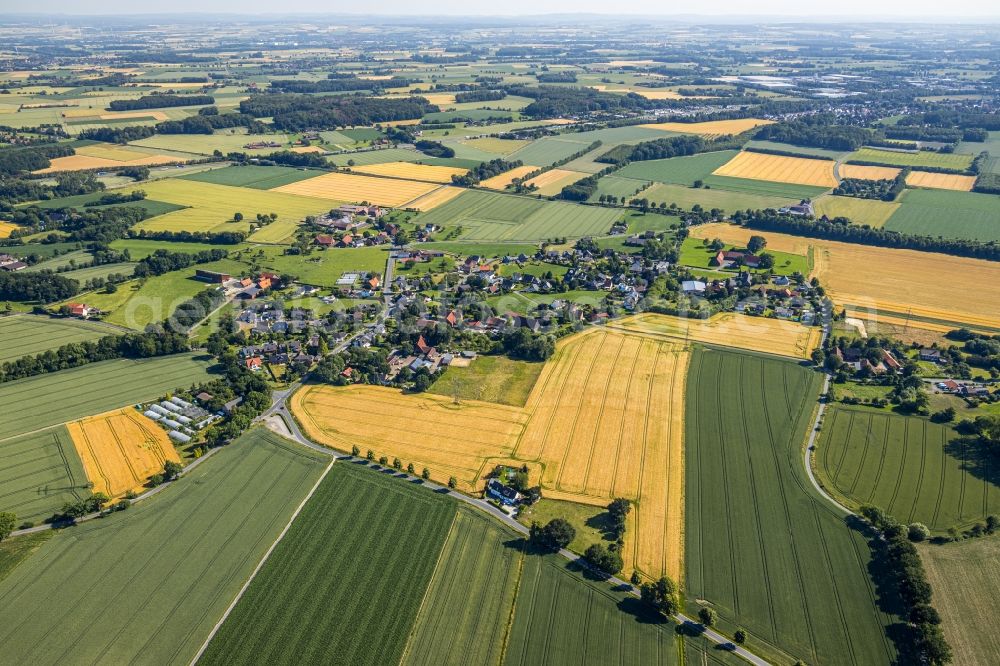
[(79, 310), (264, 283), (324, 241), (254, 363), (374, 282), (423, 346), (452, 318)]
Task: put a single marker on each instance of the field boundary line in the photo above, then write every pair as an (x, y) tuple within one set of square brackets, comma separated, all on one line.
[(260, 565)]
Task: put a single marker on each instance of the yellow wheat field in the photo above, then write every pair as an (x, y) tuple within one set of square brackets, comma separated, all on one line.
[(434, 199), (873, 319), (862, 172), (410, 171), (83, 162), (712, 127), (307, 149), (356, 188), (508, 177), (6, 228), (109, 151), (779, 169), (929, 284), (604, 420), (728, 329), (552, 181), (120, 450), (940, 181), (124, 115)]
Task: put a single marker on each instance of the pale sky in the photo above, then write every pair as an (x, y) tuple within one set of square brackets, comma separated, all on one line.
[(860, 10)]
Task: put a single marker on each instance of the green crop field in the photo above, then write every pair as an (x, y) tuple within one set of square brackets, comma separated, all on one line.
[(39, 473), (965, 578), (366, 157), (991, 145), (346, 582), (24, 335), (965, 215), (872, 212), (730, 202), (324, 267), (227, 141), (488, 250), (805, 151), (14, 550), (465, 611), (68, 395), (152, 207), (82, 275), (148, 584), (256, 177), (764, 187), (549, 149), (619, 187), (957, 161), (494, 217), (140, 248), (916, 470), (761, 546), (678, 170), (490, 378)]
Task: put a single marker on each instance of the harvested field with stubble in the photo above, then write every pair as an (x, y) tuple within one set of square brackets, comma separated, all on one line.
[(862, 172), (432, 200), (940, 181), (356, 188), (712, 128), (890, 279), (120, 450), (965, 578), (84, 162), (551, 182), (411, 171), (872, 212), (604, 420), (780, 169), (728, 329), (507, 177)]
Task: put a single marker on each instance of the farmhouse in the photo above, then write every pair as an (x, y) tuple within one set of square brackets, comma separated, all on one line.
[(212, 276), (728, 259), (80, 310), (501, 493), (929, 354)]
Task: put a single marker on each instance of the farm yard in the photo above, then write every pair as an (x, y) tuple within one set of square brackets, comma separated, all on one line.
[(120, 450), (965, 578), (338, 186), (728, 329), (27, 335), (922, 158), (160, 575), (779, 168), (91, 389), (893, 280), (967, 215), (39, 473), (916, 470), (285, 615), (493, 217), (762, 548)]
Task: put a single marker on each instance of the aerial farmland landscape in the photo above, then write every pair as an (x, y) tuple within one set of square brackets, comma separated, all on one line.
[(539, 334)]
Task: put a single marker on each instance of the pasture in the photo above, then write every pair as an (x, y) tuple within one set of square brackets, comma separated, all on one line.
[(140, 248), (354, 603), (623, 188), (872, 212), (677, 170), (888, 279), (324, 267), (490, 379), (210, 207), (603, 420), (940, 181), (381, 156), (728, 329), (410, 171), (780, 169), (94, 388), (355, 188), (494, 217), (711, 128), (916, 470), (227, 141), (507, 177), (551, 182), (922, 158), (39, 473), (256, 177), (120, 450), (27, 335), (467, 606), (161, 574), (968, 215), (763, 549), (965, 578)]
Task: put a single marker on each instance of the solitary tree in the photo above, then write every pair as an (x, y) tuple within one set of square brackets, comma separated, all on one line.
[(355, 450), (370, 455), (171, 470), (426, 474), (661, 595), (756, 244), (410, 469), (7, 522), (397, 463), (452, 482), (238, 217), (708, 616), (740, 636)]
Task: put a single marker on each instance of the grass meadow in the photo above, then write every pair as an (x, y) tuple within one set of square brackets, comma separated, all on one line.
[(763, 549), (91, 389), (925, 158), (490, 378), (255, 177), (27, 335), (916, 470), (346, 582), (678, 170), (148, 584)]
